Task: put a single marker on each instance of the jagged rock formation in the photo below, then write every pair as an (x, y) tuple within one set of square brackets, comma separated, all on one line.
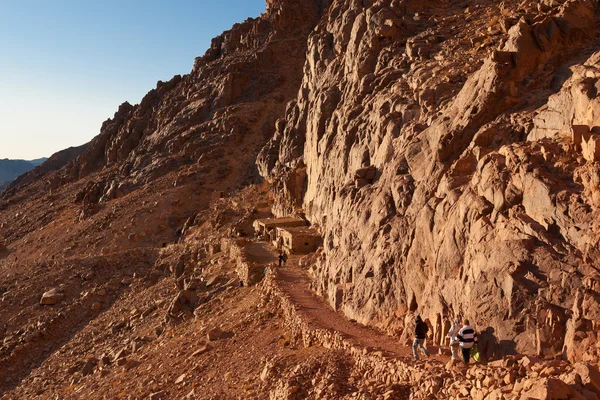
[(480, 121)]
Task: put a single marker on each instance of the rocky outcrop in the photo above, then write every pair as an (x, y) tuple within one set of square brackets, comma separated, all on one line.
[(480, 124)]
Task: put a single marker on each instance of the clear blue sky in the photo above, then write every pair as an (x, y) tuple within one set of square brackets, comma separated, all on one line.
[(66, 65)]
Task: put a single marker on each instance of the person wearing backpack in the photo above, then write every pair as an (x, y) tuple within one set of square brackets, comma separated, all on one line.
[(421, 330), (468, 339)]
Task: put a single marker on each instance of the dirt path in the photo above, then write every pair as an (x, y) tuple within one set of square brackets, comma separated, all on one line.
[(295, 282), (261, 252)]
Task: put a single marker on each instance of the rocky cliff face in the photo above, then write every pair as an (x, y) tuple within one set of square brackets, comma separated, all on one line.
[(480, 119)]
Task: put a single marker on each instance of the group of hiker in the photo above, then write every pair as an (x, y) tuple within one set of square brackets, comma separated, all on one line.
[(462, 336)]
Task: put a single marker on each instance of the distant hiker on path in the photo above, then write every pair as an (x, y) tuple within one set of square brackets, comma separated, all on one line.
[(467, 338), (282, 259), (454, 342), (421, 330)]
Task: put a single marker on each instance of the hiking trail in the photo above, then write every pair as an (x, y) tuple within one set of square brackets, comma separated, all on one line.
[(295, 282)]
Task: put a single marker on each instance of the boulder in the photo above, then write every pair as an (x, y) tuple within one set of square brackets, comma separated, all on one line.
[(88, 368), (214, 334), (547, 389), (130, 364), (590, 148), (590, 376), (202, 350), (52, 297)]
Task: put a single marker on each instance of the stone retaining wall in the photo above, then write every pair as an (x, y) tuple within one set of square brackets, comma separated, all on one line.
[(249, 273)]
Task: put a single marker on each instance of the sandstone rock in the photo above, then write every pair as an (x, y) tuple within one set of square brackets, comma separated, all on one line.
[(496, 364), (590, 148), (495, 395), (457, 167), (121, 361), (510, 378), (184, 303), (158, 395), (590, 377), (73, 369), (104, 360), (450, 364), (528, 362), (120, 354), (191, 395), (202, 350), (214, 334), (130, 364), (88, 368), (488, 381), (52, 297), (547, 388), (212, 280)]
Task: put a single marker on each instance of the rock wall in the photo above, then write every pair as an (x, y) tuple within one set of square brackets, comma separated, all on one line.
[(479, 119)]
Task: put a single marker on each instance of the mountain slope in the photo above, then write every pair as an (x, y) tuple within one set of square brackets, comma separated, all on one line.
[(146, 179)]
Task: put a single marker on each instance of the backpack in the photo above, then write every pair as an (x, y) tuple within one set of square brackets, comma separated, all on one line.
[(475, 354)]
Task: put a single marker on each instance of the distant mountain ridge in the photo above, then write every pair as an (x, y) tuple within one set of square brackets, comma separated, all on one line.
[(38, 161), (11, 169)]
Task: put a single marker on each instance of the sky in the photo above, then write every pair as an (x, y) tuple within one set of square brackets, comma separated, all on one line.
[(66, 65)]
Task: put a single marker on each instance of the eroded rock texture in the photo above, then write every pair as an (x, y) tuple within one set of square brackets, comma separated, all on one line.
[(482, 121)]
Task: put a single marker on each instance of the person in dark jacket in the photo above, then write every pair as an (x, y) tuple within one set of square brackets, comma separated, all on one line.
[(421, 330), (282, 259)]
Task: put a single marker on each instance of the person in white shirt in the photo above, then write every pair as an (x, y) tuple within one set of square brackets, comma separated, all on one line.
[(454, 342)]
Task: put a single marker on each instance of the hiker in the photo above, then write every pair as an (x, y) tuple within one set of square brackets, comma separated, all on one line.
[(282, 259), (454, 342), (421, 330), (467, 338)]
